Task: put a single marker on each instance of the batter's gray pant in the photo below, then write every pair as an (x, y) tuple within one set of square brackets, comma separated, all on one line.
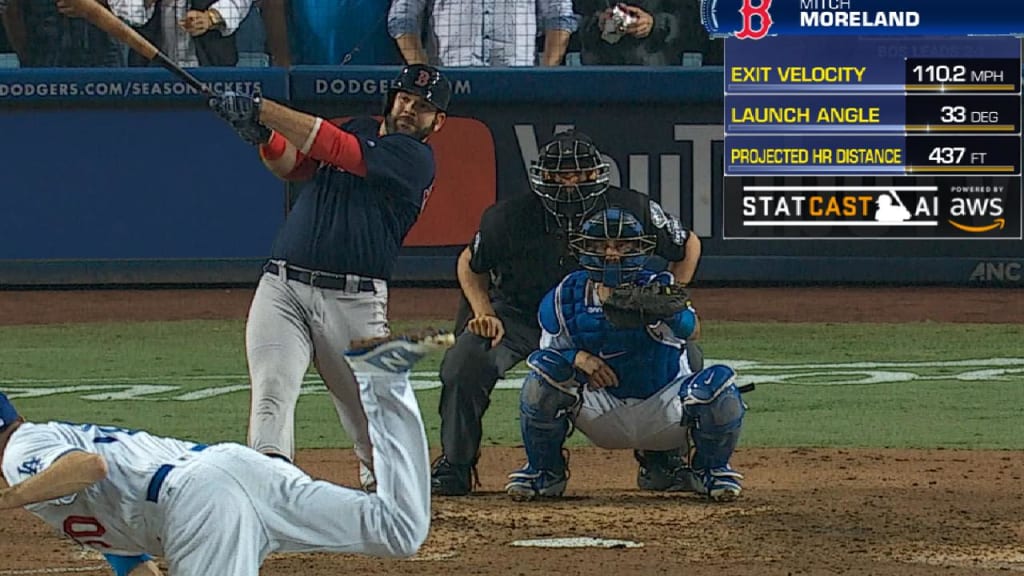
[(291, 324)]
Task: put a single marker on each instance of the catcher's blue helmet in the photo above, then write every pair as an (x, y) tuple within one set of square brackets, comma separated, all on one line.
[(8, 415), (612, 246)]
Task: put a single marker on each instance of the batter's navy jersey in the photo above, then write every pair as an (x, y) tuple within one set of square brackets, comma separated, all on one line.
[(347, 224), (526, 254)]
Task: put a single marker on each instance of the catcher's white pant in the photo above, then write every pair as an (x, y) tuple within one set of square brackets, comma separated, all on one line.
[(223, 510), (644, 424), (291, 324)]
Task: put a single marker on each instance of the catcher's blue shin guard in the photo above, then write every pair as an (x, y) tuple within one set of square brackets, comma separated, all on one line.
[(713, 411), (549, 392)]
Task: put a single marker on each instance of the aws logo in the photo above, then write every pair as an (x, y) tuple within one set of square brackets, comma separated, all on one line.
[(997, 224), (976, 209)]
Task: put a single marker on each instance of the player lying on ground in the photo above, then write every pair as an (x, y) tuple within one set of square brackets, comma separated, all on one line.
[(222, 509), (624, 387)]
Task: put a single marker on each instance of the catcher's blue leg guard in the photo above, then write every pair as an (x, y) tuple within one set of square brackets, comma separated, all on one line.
[(713, 411), (549, 392)]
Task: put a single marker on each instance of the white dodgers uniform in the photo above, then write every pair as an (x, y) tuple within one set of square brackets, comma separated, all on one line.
[(221, 509)]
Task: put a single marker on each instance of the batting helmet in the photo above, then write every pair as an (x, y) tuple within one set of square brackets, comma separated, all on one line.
[(569, 175), (632, 248), (8, 415), (422, 80)]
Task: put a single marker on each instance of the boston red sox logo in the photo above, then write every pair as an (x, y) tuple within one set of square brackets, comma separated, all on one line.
[(749, 11), (422, 79)]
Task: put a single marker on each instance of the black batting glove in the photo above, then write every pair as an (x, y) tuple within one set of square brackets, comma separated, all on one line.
[(242, 112)]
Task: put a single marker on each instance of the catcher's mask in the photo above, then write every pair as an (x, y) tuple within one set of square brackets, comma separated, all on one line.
[(612, 246), (422, 80), (8, 415), (569, 176)]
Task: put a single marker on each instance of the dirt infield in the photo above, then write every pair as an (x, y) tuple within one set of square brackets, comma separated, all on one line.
[(807, 512)]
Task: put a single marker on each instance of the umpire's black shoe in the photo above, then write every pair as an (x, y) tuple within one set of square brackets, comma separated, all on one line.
[(448, 479), (665, 471)]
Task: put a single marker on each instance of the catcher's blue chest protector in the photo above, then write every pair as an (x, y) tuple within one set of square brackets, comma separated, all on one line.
[(644, 359)]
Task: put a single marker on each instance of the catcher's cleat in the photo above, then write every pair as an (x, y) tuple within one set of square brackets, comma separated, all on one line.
[(397, 353), (665, 471), (450, 479), (720, 484), (528, 484)]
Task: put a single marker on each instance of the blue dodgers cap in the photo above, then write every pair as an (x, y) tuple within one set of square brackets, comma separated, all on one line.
[(7, 413)]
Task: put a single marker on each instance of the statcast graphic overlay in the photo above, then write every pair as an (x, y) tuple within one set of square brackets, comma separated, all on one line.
[(873, 137)]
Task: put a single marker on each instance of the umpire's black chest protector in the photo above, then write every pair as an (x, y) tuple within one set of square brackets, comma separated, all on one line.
[(534, 255)]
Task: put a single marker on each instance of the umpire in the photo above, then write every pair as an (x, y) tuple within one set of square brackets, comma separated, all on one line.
[(518, 254)]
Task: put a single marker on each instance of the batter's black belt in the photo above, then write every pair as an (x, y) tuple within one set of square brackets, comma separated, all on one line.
[(322, 279), (157, 481)]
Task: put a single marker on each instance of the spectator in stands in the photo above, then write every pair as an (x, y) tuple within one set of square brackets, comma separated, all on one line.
[(481, 32), (640, 33), (694, 38), (47, 33), (191, 32), (329, 33)]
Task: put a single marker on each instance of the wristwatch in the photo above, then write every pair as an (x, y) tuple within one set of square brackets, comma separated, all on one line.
[(216, 20)]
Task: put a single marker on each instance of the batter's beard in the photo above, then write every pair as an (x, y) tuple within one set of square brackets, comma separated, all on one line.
[(391, 123)]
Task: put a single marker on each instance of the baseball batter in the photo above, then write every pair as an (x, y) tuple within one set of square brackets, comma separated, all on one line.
[(629, 388), (222, 509), (364, 184)]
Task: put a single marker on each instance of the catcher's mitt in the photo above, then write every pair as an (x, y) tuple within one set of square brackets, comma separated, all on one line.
[(639, 306)]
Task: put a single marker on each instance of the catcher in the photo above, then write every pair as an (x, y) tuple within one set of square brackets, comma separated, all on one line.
[(613, 363)]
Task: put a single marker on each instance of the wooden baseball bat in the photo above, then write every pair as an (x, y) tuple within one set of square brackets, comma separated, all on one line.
[(105, 20)]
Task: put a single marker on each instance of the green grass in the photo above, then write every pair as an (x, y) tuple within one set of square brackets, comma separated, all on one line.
[(798, 401)]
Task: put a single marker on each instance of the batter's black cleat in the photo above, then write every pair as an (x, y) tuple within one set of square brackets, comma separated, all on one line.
[(665, 471), (448, 479)]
